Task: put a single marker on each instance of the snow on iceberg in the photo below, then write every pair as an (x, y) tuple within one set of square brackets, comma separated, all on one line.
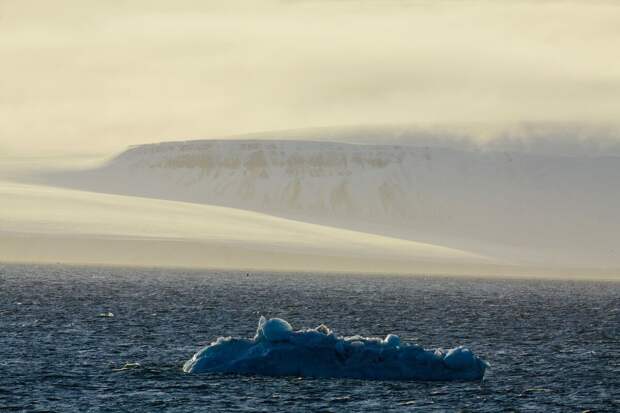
[(278, 350)]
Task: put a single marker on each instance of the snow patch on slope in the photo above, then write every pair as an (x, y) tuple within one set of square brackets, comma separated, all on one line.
[(42, 212)]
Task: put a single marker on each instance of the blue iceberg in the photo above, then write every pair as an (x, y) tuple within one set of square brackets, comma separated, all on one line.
[(278, 350)]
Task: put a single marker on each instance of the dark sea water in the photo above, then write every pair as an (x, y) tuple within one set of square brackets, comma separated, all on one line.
[(553, 345)]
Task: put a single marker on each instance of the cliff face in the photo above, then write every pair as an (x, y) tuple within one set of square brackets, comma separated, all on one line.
[(322, 179), (536, 207)]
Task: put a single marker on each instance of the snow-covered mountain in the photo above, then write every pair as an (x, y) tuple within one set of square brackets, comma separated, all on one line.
[(521, 206)]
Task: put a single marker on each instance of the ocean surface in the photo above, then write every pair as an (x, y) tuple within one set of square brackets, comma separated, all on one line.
[(106, 339)]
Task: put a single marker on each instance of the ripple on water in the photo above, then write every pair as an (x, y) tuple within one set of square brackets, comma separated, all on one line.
[(553, 345)]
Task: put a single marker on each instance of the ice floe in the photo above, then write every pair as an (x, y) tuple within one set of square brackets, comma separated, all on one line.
[(278, 350)]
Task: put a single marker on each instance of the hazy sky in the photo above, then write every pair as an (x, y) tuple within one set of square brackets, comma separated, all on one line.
[(92, 76)]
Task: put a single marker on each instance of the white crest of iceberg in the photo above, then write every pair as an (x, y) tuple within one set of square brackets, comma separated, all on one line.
[(274, 329), (278, 350)]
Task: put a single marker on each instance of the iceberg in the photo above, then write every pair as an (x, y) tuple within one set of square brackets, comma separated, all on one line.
[(278, 350)]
